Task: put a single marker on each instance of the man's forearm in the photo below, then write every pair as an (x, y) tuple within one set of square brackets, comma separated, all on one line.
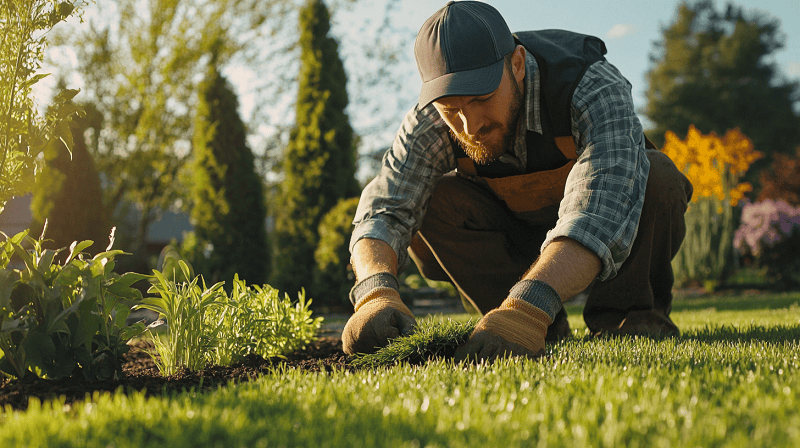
[(567, 266), (371, 256)]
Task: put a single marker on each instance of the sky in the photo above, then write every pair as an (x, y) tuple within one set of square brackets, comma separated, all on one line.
[(629, 27)]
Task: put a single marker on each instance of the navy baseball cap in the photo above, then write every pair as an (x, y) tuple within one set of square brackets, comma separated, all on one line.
[(460, 50)]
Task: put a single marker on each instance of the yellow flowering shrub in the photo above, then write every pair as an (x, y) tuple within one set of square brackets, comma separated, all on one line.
[(714, 165)]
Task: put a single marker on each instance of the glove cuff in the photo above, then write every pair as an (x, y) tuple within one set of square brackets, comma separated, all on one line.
[(539, 294), (366, 286), (517, 321), (384, 297)]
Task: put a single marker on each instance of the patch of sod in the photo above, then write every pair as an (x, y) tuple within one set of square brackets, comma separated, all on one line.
[(433, 339)]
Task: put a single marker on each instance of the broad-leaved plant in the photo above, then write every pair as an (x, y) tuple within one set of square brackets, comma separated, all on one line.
[(61, 320)]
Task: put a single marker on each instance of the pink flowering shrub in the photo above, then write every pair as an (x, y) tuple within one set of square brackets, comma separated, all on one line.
[(770, 233)]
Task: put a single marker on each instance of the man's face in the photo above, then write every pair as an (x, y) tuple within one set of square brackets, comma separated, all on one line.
[(485, 126)]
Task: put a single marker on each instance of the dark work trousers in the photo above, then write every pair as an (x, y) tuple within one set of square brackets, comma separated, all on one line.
[(470, 238)]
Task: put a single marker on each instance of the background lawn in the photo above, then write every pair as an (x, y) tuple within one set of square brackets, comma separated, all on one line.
[(730, 379)]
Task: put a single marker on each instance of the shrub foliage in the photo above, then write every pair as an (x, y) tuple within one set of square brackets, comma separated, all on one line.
[(25, 136), (206, 325), (333, 275), (61, 320), (319, 162), (229, 211)]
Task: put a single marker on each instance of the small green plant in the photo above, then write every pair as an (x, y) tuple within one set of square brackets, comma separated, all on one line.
[(205, 325), (431, 340), (60, 320), (255, 320), (183, 305)]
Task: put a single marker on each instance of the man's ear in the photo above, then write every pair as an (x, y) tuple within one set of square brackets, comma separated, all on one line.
[(518, 63)]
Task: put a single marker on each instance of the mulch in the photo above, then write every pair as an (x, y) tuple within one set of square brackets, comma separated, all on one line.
[(139, 373)]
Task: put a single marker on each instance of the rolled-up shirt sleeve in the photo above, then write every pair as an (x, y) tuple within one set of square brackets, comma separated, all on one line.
[(393, 204), (605, 190)]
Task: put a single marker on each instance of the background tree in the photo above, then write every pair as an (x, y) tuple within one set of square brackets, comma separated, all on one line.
[(140, 63), (229, 212), (24, 135), (69, 197), (319, 162), (333, 275), (714, 70)]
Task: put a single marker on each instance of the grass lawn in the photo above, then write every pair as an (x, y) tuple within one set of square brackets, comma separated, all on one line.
[(731, 379)]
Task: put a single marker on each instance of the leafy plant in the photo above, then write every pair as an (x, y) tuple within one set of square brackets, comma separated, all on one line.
[(59, 320), (770, 233), (24, 135), (257, 321), (183, 305), (229, 210), (205, 325), (283, 325), (431, 340)]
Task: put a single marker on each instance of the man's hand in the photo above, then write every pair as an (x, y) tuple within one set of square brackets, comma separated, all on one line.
[(380, 316), (516, 328)]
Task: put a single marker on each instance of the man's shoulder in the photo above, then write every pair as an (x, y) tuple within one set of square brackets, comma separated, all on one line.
[(549, 40), (424, 121)]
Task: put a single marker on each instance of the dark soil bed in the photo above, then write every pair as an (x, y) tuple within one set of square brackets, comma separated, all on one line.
[(141, 374)]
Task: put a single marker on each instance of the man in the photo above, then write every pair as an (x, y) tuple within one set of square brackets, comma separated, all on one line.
[(521, 176)]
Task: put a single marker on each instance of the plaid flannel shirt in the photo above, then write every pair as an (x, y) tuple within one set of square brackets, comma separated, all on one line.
[(605, 189)]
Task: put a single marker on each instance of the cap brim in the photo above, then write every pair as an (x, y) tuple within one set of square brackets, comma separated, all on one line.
[(480, 81)]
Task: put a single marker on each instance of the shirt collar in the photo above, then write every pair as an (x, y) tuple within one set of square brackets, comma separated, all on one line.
[(533, 118), (533, 108)]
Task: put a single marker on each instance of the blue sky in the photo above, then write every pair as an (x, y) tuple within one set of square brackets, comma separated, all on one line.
[(629, 27)]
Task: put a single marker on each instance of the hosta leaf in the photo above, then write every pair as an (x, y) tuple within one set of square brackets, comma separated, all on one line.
[(125, 292), (126, 333), (121, 313), (109, 254), (75, 248), (129, 278)]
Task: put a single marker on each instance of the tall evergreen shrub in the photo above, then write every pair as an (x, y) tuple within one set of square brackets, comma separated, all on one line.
[(68, 195), (319, 162), (229, 212)]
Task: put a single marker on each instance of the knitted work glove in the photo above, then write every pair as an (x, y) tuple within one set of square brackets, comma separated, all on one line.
[(380, 315), (516, 327)]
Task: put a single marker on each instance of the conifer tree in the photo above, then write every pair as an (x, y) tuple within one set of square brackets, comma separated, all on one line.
[(715, 70), (229, 212), (69, 197), (319, 161)]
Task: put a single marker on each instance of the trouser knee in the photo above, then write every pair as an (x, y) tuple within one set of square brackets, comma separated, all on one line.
[(665, 183)]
